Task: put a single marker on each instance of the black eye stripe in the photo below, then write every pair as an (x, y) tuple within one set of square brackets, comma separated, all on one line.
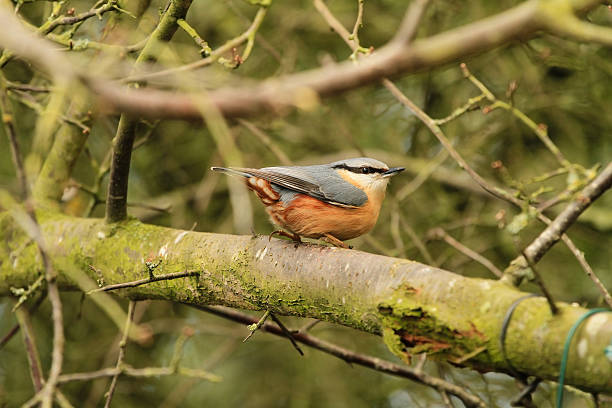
[(360, 170)]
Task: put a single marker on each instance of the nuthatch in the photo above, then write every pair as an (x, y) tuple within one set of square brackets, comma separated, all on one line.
[(334, 202)]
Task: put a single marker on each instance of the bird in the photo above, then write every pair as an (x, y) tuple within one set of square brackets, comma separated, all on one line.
[(334, 202)]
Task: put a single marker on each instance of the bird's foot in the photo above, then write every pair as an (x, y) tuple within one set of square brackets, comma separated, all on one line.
[(294, 237), (335, 241)]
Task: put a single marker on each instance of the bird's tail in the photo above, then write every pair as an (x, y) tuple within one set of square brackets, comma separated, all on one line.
[(232, 171)]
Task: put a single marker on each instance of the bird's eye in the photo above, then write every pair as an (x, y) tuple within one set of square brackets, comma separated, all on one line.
[(366, 170)]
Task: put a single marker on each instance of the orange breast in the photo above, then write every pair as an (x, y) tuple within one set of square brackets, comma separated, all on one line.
[(313, 218)]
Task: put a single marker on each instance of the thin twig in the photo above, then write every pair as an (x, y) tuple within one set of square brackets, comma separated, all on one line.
[(435, 129), (70, 20), (267, 141), (541, 131), (540, 282), (257, 325), (308, 326), (121, 356), (8, 336), (418, 243), (556, 230), (26, 87), (57, 354), (524, 397), (214, 54), (349, 356), (138, 372), (408, 28), (439, 233), (133, 284), (29, 341), (569, 215), (287, 333), (9, 128)]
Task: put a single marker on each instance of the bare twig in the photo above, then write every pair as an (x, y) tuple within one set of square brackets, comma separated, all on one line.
[(49, 26), (29, 340), (139, 372), (9, 128), (214, 54), (133, 284), (287, 332), (26, 87), (47, 393), (351, 357), (521, 21), (435, 129), (556, 231), (257, 325), (568, 216), (410, 24), (8, 336), (121, 356), (265, 139), (540, 282), (540, 130), (439, 233)]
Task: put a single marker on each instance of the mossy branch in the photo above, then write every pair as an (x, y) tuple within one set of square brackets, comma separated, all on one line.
[(417, 308)]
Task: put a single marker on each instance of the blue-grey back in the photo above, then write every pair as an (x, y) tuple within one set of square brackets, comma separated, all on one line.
[(331, 186)]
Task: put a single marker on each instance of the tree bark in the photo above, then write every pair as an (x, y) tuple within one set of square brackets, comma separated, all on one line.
[(417, 308)]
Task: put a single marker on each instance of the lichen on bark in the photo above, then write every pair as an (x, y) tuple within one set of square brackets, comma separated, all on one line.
[(417, 308)]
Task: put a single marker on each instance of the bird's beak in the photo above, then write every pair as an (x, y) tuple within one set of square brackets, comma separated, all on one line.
[(393, 171)]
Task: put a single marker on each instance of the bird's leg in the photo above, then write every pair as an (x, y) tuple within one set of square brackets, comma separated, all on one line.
[(334, 241), (295, 237)]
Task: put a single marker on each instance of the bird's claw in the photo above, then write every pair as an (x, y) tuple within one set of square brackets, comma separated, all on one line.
[(294, 237)]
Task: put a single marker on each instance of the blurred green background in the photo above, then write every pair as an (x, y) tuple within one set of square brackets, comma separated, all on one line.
[(563, 84)]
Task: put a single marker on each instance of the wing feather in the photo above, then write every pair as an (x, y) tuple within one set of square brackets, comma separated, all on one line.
[(294, 182)]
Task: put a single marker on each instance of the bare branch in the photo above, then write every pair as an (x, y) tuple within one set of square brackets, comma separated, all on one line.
[(439, 233), (273, 95), (410, 24), (29, 340), (212, 57), (30, 224), (133, 284), (556, 230), (116, 197), (8, 120), (122, 347), (349, 356)]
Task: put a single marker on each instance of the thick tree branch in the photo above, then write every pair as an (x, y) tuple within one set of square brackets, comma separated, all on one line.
[(276, 95), (417, 308)]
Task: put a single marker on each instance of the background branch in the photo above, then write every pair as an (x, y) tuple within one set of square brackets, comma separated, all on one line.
[(116, 197)]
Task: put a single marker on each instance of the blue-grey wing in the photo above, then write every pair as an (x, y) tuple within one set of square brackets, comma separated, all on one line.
[(321, 182)]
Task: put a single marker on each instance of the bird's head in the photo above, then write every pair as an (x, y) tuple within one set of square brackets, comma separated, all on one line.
[(369, 175)]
